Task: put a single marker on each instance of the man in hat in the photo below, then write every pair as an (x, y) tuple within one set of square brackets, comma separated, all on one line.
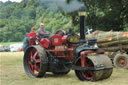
[(41, 31)]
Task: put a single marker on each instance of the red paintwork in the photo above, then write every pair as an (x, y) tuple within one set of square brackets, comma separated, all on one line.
[(83, 57), (56, 40), (34, 68), (45, 42), (32, 42), (61, 50), (89, 73), (64, 39), (84, 54), (62, 54), (70, 56), (20, 49)]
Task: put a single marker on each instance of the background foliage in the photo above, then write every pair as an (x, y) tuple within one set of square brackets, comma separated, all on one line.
[(16, 19)]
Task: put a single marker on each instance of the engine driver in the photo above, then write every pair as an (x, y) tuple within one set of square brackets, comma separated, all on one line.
[(41, 32)]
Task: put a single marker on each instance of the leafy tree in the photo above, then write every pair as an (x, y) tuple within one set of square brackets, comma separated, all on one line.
[(105, 14), (16, 19)]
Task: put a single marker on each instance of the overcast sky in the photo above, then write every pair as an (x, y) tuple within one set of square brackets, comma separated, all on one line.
[(11, 0)]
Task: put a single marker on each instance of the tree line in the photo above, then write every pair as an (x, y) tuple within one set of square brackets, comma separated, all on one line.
[(16, 19)]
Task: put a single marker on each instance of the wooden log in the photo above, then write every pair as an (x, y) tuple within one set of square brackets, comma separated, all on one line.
[(103, 37), (110, 41), (116, 48), (113, 43)]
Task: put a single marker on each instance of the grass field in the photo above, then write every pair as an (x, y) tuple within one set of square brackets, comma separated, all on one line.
[(12, 73), (8, 43)]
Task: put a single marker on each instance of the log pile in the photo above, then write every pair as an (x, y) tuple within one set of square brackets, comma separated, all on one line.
[(110, 41)]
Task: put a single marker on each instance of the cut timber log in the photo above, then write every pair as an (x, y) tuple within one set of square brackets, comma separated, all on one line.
[(110, 41), (108, 36), (116, 48), (113, 43)]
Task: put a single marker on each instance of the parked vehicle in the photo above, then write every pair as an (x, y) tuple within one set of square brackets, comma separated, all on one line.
[(15, 47), (6, 48), (1, 48)]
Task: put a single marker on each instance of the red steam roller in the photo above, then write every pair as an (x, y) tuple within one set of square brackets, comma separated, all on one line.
[(65, 51)]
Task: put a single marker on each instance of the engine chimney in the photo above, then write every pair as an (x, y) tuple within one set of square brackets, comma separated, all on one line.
[(82, 14)]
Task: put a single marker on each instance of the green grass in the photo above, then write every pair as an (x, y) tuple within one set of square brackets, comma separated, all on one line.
[(12, 73), (8, 43)]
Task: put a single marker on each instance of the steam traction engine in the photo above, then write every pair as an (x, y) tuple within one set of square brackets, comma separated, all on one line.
[(62, 52)]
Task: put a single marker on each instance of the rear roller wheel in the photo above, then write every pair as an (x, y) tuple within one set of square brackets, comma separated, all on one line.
[(121, 61), (89, 75), (35, 61)]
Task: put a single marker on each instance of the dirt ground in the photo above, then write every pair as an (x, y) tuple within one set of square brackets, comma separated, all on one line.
[(12, 73)]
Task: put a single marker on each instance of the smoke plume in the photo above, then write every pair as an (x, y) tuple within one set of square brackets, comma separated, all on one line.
[(74, 5)]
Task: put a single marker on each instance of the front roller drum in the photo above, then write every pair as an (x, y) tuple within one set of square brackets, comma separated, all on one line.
[(104, 60), (107, 63), (88, 75), (94, 62), (35, 59)]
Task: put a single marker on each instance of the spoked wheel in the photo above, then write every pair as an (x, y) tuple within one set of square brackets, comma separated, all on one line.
[(35, 61), (89, 75), (121, 61)]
